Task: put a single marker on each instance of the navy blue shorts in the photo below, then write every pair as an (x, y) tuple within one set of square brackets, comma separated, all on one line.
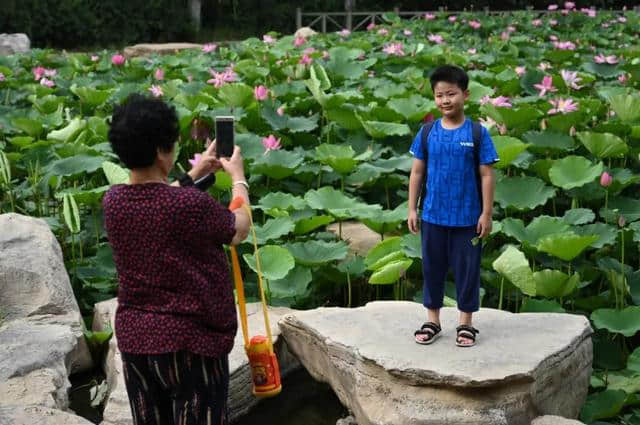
[(445, 248)]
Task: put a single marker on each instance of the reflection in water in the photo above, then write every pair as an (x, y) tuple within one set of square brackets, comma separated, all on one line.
[(303, 401)]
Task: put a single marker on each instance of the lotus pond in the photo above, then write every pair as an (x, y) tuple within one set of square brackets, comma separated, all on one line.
[(325, 124)]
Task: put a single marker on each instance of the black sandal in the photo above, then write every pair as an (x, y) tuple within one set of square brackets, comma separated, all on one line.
[(431, 329), (466, 331)]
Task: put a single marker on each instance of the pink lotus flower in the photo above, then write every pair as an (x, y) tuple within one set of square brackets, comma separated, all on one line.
[(38, 73), (2, 77), (552, 7), (545, 86), (520, 70), (429, 16), (229, 75), (260, 92), (606, 179), (159, 74), (621, 221), (543, 66), (305, 60), (504, 36), (394, 49), (553, 22), (553, 38), (344, 33), (623, 78), (571, 79), (536, 22), (621, 19), (489, 122), (591, 13), (46, 82), (50, 73), (156, 91), (209, 47), (371, 26), (569, 5), (475, 24), (309, 50), (501, 101), (562, 106), (611, 59), (95, 58), (270, 143), (267, 39), (383, 31), (435, 38), (511, 28), (118, 60), (408, 33), (299, 41), (194, 161), (472, 51), (564, 45), (453, 18), (280, 111)]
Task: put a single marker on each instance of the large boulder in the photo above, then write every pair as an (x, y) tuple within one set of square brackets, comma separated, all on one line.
[(520, 368), (554, 420), (359, 237), (241, 399), (41, 329), (158, 49), (37, 415), (14, 43)]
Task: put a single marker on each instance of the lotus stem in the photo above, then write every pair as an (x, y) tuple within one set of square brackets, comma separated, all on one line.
[(348, 289), (624, 278), (501, 293), (606, 200)]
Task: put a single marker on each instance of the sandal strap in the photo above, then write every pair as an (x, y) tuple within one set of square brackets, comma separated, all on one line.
[(466, 331), (430, 328)]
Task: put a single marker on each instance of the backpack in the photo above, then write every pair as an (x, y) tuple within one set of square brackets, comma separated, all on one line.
[(476, 132)]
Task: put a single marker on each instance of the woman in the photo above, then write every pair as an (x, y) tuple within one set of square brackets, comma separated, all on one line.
[(176, 317)]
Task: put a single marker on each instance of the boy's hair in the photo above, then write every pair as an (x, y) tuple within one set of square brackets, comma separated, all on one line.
[(141, 126), (450, 74)]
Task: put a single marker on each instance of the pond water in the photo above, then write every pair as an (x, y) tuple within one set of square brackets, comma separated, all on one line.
[(302, 401)]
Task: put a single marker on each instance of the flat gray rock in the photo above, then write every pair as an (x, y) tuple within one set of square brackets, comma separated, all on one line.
[(14, 43), (146, 49), (519, 369), (554, 420), (38, 415)]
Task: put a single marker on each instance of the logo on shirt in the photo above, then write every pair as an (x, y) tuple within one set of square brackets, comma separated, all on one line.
[(467, 144)]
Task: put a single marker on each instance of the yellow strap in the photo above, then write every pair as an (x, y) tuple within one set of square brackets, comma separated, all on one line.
[(237, 277)]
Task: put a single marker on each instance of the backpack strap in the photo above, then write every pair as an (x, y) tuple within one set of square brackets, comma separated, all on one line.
[(476, 132), (424, 145)]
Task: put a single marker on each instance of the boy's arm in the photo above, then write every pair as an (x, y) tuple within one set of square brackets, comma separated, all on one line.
[(416, 179), (488, 183)]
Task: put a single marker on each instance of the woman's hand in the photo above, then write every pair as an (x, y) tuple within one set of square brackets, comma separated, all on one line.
[(234, 165), (208, 162)]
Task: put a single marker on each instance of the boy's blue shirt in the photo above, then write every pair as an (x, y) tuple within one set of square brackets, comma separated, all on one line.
[(452, 191)]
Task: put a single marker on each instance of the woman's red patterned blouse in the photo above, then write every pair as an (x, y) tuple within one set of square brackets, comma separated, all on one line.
[(174, 290)]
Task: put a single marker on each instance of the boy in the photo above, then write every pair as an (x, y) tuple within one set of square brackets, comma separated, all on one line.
[(457, 206)]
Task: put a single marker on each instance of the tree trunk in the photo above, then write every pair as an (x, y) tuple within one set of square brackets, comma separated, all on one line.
[(195, 7)]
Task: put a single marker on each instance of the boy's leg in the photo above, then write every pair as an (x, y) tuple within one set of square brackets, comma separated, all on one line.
[(434, 269), (465, 260)]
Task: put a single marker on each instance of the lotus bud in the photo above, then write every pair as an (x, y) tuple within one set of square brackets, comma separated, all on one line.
[(605, 179)]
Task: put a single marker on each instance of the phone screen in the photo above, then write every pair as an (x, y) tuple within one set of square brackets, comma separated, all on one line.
[(224, 137)]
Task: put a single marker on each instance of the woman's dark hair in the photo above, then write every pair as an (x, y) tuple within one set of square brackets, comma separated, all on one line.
[(451, 74), (141, 126)]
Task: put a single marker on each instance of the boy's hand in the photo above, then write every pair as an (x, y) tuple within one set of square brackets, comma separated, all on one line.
[(484, 225), (412, 221)]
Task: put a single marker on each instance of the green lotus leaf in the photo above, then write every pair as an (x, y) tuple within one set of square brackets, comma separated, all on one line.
[(606, 233), (275, 261), (477, 91), (75, 165), (603, 145), (412, 245), (627, 207), (602, 69), (531, 305), (287, 122), (626, 381), (114, 173), (317, 252), (273, 229), (278, 164), (559, 56), (622, 178), (513, 265), (364, 173), (354, 266), (68, 133), (21, 141), (251, 69), (84, 196), (542, 167), (413, 108), (540, 141), (383, 249), (566, 246), (562, 123), (345, 116), (602, 405), (337, 204), (390, 272), (380, 130), (523, 193), (389, 89), (626, 107), (391, 257), (625, 322), (31, 127), (339, 157), (574, 171), (293, 285), (578, 216), (90, 96), (386, 221), (236, 95), (48, 104), (315, 87), (633, 362), (529, 79), (508, 149), (635, 227), (310, 224), (281, 200), (523, 117), (554, 283), (343, 64), (634, 286)]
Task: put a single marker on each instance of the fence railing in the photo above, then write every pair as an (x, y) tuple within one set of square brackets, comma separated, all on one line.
[(354, 20)]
